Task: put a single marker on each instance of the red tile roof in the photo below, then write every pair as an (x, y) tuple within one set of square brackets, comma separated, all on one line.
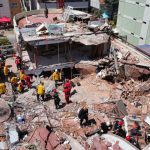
[(42, 134), (40, 18)]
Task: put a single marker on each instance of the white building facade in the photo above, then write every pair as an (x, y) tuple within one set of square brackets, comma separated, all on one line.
[(5, 8), (134, 21)]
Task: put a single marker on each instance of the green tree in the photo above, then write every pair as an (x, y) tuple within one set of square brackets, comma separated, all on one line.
[(4, 41)]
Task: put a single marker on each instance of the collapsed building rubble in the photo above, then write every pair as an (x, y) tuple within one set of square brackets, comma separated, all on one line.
[(127, 98), (115, 87)]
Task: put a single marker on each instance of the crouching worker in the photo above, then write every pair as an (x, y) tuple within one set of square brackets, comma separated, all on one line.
[(20, 87), (83, 115), (40, 91), (13, 81), (28, 81), (56, 99), (6, 72)]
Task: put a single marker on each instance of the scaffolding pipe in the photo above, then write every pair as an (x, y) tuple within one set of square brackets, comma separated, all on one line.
[(58, 52)]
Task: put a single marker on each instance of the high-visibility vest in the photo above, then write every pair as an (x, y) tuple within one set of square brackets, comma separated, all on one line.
[(2, 88), (13, 80), (19, 88), (22, 75), (40, 89), (56, 76), (6, 70)]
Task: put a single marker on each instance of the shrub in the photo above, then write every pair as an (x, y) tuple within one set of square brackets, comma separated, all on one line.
[(4, 41)]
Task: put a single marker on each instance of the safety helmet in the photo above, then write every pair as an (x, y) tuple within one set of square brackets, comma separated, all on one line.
[(128, 138), (120, 123)]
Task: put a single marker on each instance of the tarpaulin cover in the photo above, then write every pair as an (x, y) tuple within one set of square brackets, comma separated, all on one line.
[(5, 19)]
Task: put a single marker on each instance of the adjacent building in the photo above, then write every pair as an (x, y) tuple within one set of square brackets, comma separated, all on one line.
[(59, 40), (134, 21), (9, 8), (4, 8), (82, 5), (107, 7)]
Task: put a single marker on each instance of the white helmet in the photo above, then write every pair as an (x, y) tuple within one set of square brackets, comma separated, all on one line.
[(108, 123), (56, 70)]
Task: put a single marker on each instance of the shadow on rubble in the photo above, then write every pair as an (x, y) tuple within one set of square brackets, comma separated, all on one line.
[(73, 92), (62, 105), (23, 133), (91, 122)]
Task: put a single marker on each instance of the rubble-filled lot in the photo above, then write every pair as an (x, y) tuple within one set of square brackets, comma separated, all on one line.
[(120, 89)]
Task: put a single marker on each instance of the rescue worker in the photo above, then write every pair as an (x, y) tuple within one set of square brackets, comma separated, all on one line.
[(56, 99), (40, 91), (83, 115), (20, 87), (22, 76), (27, 81), (68, 84), (135, 131), (105, 127), (6, 72), (13, 81), (2, 88), (18, 62), (133, 141), (67, 94), (119, 131), (56, 76)]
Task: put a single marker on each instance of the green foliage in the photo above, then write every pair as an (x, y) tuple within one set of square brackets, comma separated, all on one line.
[(112, 23), (4, 41), (96, 12)]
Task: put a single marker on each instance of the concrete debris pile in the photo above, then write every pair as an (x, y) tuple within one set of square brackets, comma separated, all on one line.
[(5, 111), (109, 70), (116, 99), (38, 125)]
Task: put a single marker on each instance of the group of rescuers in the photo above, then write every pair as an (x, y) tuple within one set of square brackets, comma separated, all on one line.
[(22, 80)]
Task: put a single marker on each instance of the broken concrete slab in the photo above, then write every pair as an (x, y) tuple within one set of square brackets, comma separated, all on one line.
[(135, 72), (125, 145), (142, 88), (13, 134), (120, 109), (75, 145), (85, 68), (47, 139), (5, 111), (144, 109), (3, 145)]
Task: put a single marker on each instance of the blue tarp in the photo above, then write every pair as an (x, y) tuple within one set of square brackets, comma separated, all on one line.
[(105, 16), (144, 48)]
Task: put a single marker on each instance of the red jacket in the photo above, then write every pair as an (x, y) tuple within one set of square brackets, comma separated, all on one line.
[(27, 78), (17, 61), (67, 92), (68, 85)]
